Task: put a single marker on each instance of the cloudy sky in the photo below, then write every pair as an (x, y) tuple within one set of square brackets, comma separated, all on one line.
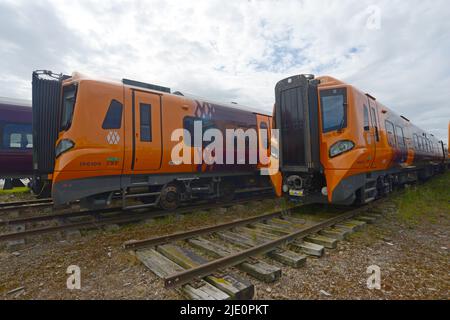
[(398, 51)]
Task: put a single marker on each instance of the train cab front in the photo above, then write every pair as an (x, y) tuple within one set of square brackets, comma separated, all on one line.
[(73, 118), (315, 143), (296, 116)]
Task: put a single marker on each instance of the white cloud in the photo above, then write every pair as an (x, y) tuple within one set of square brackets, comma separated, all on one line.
[(237, 51)]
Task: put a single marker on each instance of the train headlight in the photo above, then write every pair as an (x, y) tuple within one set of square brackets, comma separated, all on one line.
[(341, 147), (64, 146)]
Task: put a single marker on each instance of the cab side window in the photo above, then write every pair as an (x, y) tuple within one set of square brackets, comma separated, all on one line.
[(113, 118), (366, 119)]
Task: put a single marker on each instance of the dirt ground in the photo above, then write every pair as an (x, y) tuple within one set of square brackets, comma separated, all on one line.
[(413, 255)]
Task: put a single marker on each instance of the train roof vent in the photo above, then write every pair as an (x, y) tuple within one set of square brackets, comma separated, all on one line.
[(145, 85), (178, 93), (404, 118), (371, 97)]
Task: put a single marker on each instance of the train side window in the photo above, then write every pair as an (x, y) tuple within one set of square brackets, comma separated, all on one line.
[(29, 138), (17, 136), (15, 140), (188, 125), (374, 122), (416, 142), (390, 133), (400, 136), (146, 122), (113, 118), (421, 146), (366, 119)]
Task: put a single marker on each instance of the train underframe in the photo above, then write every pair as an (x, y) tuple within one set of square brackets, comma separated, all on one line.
[(167, 192), (358, 189)]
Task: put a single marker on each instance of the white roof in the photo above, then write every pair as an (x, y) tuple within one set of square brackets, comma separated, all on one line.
[(15, 101), (229, 105)]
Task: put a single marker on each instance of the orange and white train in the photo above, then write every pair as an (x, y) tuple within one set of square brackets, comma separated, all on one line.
[(340, 145), (97, 139)]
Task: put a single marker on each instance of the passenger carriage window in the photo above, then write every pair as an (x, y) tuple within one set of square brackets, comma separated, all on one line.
[(17, 136), (113, 118), (188, 125), (146, 121), (15, 140), (400, 137), (366, 119), (390, 133), (416, 142), (29, 141), (334, 112)]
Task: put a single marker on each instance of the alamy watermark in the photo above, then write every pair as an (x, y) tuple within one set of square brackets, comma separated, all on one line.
[(74, 280), (238, 147), (374, 280), (373, 21)]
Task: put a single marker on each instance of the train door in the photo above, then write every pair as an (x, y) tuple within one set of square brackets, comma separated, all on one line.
[(374, 131), (146, 142)]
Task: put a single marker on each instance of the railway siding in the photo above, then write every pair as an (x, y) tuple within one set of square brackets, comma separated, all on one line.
[(240, 244)]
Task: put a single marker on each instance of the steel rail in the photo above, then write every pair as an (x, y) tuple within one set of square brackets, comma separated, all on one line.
[(137, 244), (25, 206), (58, 216), (203, 270), (124, 217), (26, 202)]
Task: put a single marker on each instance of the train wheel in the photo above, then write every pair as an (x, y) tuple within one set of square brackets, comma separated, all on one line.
[(170, 197), (226, 191)]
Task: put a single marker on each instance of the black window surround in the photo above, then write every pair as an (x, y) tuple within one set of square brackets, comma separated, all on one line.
[(330, 102), (145, 114), (113, 117)]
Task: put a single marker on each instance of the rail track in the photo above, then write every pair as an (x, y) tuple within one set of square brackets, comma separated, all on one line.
[(21, 205), (102, 217), (198, 262)]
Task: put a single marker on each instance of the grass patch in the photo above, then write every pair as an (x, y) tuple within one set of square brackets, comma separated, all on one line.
[(427, 201), (15, 190)]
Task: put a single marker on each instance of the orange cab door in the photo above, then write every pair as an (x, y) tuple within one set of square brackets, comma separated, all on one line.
[(146, 142)]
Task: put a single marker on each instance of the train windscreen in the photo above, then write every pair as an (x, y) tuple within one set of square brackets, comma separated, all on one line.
[(333, 106)]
